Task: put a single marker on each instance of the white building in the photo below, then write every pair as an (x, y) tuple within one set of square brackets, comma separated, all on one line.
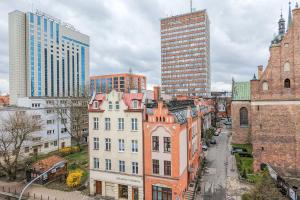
[(53, 134), (116, 145), (46, 57)]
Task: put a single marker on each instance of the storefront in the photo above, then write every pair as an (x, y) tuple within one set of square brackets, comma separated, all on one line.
[(161, 193)]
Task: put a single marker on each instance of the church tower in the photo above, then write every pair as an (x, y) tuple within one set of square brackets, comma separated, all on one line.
[(281, 25)]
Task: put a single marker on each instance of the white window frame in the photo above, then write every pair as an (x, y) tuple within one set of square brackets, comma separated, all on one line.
[(121, 124), (121, 145), (108, 164), (134, 124), (107, 144), (96, 143), (134, 146), (96, 123), (96, 163), (107, 123), (121, 166), (135, 167)]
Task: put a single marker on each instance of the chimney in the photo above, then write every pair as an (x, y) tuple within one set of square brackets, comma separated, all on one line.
[(260, 71), (156, 93)]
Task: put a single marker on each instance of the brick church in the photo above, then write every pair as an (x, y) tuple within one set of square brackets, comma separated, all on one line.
[(266, 110)]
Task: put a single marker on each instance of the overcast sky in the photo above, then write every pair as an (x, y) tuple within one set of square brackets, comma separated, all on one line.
[(126, 33)]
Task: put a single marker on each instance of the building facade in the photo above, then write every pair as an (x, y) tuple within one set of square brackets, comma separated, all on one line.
[(118, 82), (47, 57), (53, 134), (116, 145), (172, 146), (185, 54), (274, 107)]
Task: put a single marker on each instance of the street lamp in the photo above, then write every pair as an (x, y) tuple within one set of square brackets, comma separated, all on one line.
[(54, 166)]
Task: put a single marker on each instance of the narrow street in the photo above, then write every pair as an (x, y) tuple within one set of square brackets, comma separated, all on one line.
[(220, 180)]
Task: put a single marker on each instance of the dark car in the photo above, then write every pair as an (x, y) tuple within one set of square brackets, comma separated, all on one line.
[(238, 150), (213, 141), (204, 147)]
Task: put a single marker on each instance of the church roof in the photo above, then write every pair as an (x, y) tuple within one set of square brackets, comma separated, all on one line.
[(241, 91)]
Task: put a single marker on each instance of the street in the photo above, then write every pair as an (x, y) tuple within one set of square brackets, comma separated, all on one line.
[(220, 180)]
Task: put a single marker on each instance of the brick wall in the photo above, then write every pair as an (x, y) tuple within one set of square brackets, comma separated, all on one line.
[(240, 135)]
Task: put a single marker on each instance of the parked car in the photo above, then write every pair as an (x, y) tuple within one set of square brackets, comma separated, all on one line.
[(213, 141), (238, 150), (204, 147)]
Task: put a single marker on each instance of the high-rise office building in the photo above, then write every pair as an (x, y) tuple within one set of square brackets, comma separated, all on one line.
[(47, 57), (185, 54)]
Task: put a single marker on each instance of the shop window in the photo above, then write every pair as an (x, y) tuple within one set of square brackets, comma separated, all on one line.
[(123, 191)]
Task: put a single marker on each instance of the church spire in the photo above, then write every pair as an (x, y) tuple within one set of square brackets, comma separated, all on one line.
[(290, 16), (281, 25)]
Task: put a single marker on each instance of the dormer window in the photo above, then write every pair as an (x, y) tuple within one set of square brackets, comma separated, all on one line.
[(287, 83), (96, 104), (135, 104), (110, 106), (117, 105)]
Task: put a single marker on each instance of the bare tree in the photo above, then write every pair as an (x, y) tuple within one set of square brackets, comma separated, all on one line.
[(73, 113), (15, 130)]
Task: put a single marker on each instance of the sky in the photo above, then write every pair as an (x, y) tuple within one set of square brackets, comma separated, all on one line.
[(125, 34)]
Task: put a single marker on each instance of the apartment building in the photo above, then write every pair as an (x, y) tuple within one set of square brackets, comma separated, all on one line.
[(116, 145), (119, 82), (172, 146), (53, 134), (185, 54), (47, 57)]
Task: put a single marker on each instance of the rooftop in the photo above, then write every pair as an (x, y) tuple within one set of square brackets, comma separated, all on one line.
[(47, 163), (241, 91)]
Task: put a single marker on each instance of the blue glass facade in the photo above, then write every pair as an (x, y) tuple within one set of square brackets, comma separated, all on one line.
[(77, 74), (98, 86), (31, 16), (45, 25), (46, 72), (57, 33), (39, 56), (63, 75), (92, 86), (57, 77), (68, 68), (103, 85), (52, 76), (73, 75), (82, 67), (51, 29)]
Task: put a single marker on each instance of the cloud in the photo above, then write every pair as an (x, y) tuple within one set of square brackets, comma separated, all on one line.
[(126, 33)]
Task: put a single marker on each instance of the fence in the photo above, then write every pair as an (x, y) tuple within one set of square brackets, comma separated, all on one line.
[(13, 193)]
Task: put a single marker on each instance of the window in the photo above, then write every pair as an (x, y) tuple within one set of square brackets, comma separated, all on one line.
[(123, 191), (155, 143), (96, 123), (265, 86), (96, 143), (63, 120), (134, 145), (96, 163), (120, 124), (117, 105), (155, 166), (287, 83), (167, 168), (121, 165), (121, 145), (96, 104), (107, 164), (50, 121), (107, 124), (107, 144), (161, 193), (134, 125), (55, 143), (167, 144), (243, 117), (63, 130), (135, 104), (135, 168), (110, 106), (26, 149), (46, 145)]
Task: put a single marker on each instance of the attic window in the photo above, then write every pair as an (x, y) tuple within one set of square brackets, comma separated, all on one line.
[(134, 104)]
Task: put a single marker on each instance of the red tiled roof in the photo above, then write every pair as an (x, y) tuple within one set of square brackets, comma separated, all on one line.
[(129, 97), (4, 100), (47, 163)]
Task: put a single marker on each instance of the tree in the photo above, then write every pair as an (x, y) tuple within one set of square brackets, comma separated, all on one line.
[(264, 188), (15, 130), (73, 113)]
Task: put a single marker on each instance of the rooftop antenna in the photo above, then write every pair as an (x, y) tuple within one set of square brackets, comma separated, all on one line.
[(191, 4)]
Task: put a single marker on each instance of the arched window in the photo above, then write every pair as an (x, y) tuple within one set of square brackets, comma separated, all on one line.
[(286, 67), (244, 117), (287, 83), (265, 86), (110, 106)]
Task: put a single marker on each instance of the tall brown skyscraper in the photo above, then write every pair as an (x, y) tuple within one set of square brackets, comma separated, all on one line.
[(185, 54)]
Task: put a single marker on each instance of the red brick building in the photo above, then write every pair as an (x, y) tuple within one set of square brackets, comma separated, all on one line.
[(172, 147), (274, 106)]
